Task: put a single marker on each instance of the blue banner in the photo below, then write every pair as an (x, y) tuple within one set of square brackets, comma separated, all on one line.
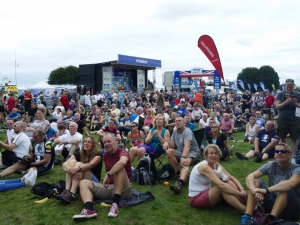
[(255, 86), (282, 87), (249, 87), (262, 86), (217, 81), (233, 85), (241, 83), (132, 60)]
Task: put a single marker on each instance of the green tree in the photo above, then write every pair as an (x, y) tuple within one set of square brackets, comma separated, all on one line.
[(249, 75), (265, 74), (63, 75), (269, 77)]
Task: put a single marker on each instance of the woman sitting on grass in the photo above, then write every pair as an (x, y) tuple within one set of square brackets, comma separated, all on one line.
[(84, 164), (251, 130), (203, 195), (135, 135), (218, 138), (96, 122), (156, 137)]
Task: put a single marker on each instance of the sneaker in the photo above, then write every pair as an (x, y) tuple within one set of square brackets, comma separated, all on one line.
[(93, 132), (114, 210), (267, 219), (26, 176), (68, 197), (259, 214), (259, 156), (57, 161), (60, 196), (248, 220), (85, 214), (32, 178), (177, 187), (240, 156)]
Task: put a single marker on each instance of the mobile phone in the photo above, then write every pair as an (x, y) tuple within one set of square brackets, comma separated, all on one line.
[(293, 96)]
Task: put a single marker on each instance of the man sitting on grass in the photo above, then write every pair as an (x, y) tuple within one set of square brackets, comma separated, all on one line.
[(264, 144), (116, 184), (19, 147), (41, 156), (183, 149), (282, 197)]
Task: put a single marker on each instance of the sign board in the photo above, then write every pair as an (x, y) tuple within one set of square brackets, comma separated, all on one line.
[(138, 61), (11, 88), (217, 81), (107, 78), (140, 80)]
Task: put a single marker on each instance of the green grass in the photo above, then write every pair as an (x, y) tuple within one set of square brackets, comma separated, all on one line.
[(16, 207)]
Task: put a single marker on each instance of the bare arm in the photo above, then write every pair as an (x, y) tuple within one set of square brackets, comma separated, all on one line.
[(272, 144), (207, 171), (10, 147)]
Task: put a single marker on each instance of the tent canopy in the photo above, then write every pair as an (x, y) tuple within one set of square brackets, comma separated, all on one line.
[(41, 85)]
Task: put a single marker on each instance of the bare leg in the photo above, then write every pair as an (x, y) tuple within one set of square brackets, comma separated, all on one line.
[(85, 190), (119, 181), (12, 169), (172, 157), (132, 153), (235, 201), (251, 201), (69, 177), (280, 204), (141, 153), (250, 154), (294, 147), (215, 195), (73, 149)]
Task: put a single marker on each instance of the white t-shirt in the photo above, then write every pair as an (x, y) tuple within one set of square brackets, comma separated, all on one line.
[(22, 143), (69, 137), (87, 100), (10, 134)]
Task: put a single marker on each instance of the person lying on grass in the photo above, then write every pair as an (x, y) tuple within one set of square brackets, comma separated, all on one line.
[(203, 195), (84, 164)]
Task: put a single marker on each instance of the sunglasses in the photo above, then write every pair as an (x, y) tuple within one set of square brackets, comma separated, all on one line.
[(214, 127), (289, 80), (9, 123), (133, 126), (281, 151), (17, 125)]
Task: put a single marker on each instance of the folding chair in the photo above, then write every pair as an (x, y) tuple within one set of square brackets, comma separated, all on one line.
[(158, 157), (199, 136)]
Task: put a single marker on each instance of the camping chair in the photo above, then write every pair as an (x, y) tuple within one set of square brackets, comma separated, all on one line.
[(158, 157), (199, 136)]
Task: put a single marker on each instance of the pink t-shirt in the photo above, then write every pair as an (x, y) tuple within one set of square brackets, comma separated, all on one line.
[(147, 121), (226, 125)]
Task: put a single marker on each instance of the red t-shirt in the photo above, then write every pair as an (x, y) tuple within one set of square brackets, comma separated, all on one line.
[(11, 103), (270, 101), (106, 129), (65, 102), (111, 159)]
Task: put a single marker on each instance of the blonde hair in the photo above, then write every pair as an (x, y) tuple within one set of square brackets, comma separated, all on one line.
[(96, 148), (213, 146), (164, 119), (285, 145)]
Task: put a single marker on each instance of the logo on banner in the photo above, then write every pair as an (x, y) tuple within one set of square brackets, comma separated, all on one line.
[(208, 47)]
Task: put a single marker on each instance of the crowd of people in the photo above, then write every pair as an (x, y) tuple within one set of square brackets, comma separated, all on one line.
[(114, 128)]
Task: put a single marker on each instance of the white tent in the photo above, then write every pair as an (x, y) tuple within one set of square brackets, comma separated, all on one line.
[(42, 85)]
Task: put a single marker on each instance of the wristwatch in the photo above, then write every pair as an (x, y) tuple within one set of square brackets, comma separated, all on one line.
[(107, 173), (183, 157)]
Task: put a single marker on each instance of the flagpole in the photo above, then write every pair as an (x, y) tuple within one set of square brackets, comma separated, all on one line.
[(16, 67)]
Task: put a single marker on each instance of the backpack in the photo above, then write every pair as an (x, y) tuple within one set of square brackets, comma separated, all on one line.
[(45, 189), (167, 172), (146, 171)]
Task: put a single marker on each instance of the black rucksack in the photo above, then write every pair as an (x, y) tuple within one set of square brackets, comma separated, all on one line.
[(167, 172), (145, 171), (45, 189)]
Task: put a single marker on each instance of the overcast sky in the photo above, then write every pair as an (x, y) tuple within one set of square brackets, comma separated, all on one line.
[(51, 34)]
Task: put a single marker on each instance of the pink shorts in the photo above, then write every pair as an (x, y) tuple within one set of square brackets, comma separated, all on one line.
[(201, 201)]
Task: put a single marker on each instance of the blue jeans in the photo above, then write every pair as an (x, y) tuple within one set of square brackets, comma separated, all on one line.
[(7, 185)]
